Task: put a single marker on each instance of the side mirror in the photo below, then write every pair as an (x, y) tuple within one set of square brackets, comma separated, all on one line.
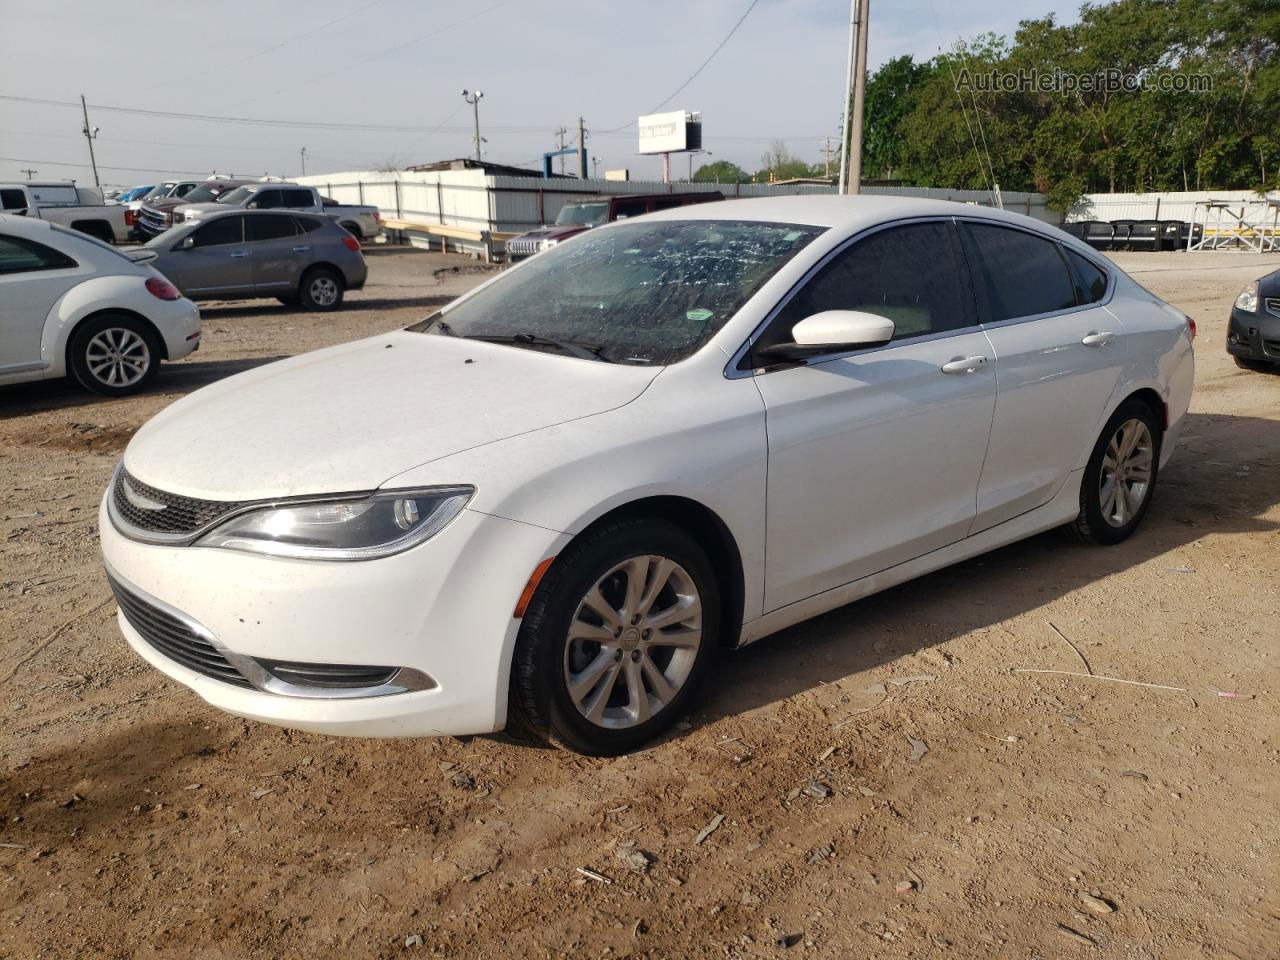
[(251, 205), (833, 331), (186, 243)]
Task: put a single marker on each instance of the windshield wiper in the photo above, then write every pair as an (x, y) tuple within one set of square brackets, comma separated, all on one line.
[(584, 351)]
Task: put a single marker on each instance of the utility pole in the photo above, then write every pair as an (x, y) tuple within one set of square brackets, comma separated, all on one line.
[(29, 173), (855, 88), (826, 159), (474, 100), (302, 156), (90, 133), (582, 149), (560, 134), (595, 168)]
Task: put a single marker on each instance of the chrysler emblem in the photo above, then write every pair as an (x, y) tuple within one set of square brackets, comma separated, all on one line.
[(138, 500)]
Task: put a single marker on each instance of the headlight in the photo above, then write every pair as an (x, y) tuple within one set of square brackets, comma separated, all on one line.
[(547, 244), (1248, 299), (362, 529)]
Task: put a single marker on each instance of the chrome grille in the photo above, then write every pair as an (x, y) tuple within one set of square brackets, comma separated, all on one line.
[(153, 221), (1272, 305), (522, 248), (174, 638), (155, 511)]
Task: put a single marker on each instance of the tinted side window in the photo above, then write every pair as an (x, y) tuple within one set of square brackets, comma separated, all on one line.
[(12, 199), (307, 224), (629, 208), (266, 199), (668, 204), (221, 231), (20, 255), (1020, 275), (270, 227), (1091, 283), (296, 198), (912, 274), (184, 189)]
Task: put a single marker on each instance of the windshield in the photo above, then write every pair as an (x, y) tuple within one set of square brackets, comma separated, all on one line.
[(207, 192), (642, 293), (159, 190), (583, 214), (238, 195)]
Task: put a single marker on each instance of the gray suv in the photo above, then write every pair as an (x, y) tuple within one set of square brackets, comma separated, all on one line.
[(298, 258)]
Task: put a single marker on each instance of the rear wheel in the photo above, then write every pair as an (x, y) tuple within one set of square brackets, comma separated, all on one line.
[(618, 637), (353, 229), (321, 289), (1121, 475), (114, 354), (95, 228)]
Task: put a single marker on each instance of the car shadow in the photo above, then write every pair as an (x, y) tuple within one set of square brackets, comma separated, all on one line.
[(1202, 491), (174, 379)]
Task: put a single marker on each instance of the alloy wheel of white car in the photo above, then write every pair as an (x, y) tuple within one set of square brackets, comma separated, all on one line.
[(118, 357), (1121, 475)]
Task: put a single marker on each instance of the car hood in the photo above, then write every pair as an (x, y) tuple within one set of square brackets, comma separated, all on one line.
[(553, 233), (165, 203), (202, 207), (351, 417)]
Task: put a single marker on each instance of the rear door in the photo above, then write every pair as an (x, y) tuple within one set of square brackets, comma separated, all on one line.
[(276, 252), (874, 455), (32, 278), (218, 263), (1059, 354)]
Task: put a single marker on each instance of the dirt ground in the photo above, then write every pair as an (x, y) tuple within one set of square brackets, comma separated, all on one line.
[(139, 822)]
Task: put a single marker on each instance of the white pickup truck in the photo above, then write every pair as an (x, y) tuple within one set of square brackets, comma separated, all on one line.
[(80, 208), (363, 222)]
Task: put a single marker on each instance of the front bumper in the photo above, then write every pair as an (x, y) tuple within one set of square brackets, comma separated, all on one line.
[(443, 608), (1254, 336)]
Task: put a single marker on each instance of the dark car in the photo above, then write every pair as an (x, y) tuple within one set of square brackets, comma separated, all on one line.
[(156, 216), (298, 258), (1253, 334), (582, 215)]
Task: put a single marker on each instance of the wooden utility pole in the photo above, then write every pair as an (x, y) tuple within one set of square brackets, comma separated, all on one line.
[(561, 133), (826, 159), (29, 173), (90, 133), (855, 90)]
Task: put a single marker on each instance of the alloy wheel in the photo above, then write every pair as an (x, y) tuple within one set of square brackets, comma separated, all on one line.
[(118, 357), (633, 642), (1125, 479), (324, 291)]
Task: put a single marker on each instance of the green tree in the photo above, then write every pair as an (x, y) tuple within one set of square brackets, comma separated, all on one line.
[(721, 171)]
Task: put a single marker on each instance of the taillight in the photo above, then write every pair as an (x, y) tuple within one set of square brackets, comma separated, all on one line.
[(377, 216), (1191, 326), (351, 242), (129, 218), (162, 289)]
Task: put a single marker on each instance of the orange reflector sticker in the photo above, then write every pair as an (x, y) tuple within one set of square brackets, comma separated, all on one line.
[(534, 579)]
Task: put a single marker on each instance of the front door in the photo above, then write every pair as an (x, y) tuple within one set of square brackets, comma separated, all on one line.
[(32, 278), (218, 263), (874, 456), (1059, 354)]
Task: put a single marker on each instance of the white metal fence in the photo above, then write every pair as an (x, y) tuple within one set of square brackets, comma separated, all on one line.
[(475, 201), (1174, 205)]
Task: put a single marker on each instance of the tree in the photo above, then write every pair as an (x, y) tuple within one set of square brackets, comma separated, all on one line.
[(721, 171), (892, 92), (779, 163)]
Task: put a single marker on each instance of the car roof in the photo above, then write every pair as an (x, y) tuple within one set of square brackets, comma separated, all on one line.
[(831, 210), (20, 225)]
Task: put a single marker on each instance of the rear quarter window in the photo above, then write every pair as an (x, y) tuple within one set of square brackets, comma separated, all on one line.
[(1019, 274)]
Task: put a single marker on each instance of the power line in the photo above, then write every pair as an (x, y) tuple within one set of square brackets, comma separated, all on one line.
[(728, 36), (64, 163)]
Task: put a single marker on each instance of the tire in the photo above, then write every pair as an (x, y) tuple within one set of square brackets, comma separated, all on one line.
[(114, 354), (679, 652), (321, 289), (1106, 520), (353, 229), (95, 228)]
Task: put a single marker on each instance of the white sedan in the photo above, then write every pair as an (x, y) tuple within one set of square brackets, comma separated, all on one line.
[(72, 305), (554, 503)]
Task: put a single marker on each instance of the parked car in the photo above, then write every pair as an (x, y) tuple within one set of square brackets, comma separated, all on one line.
[(80, 208), (155, 215), (554, 502), (581, 215), (133, 193), (362, 221), (296, 257), (1253, 333), (72, 305)]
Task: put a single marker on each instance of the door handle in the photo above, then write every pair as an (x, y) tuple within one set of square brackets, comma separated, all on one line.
[(302, 249), (239, 254), (964, 365), (1095, 339)]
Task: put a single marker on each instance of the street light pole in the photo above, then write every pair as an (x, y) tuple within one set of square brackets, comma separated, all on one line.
[(474, 100), (302, 156), (90, 133)]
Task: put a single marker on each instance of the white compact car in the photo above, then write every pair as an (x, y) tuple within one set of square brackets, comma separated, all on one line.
[(71, 304), (553, 503)]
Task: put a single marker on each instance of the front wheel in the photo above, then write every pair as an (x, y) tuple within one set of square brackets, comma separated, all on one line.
[(1121, 475), (619, 635), (114, 354)]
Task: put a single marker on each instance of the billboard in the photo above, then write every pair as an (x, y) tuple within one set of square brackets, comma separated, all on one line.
[(675, 132)]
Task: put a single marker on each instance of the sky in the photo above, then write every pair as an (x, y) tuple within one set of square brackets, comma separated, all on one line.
[(399, 66)]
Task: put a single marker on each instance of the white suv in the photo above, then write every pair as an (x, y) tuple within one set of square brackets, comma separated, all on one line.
[(70, 304)]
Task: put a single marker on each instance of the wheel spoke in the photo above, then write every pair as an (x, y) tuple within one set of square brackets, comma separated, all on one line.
[(685, 639), (685, 609), (662, 689), (1109, 497), (1122, 504), (581, 630), (636, 570), (594, 708), (659, 576), (583, 682), (636, 692), (601, 607)]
